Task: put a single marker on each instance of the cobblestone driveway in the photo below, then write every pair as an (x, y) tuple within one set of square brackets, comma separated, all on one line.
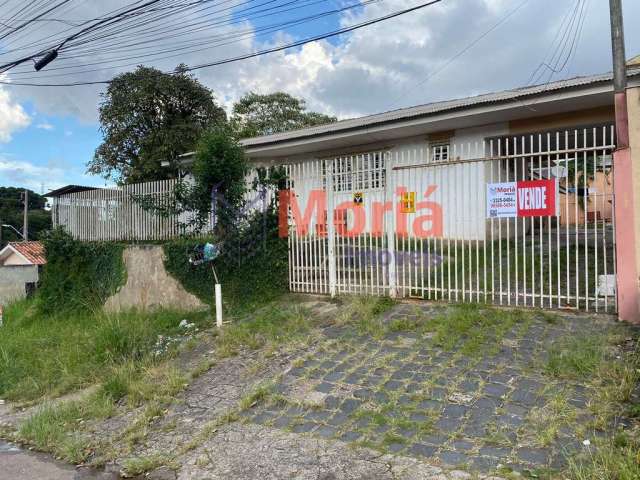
[(484, 409)]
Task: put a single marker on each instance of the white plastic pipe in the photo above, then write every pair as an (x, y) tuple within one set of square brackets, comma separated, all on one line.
[(218, 291)]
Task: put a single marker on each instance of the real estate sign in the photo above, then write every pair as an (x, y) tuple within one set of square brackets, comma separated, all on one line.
[(527, 198)]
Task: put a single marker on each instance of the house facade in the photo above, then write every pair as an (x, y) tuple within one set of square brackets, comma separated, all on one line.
[(448, 157), (20, 266)]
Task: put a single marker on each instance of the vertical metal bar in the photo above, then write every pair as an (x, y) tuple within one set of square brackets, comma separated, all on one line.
[(577, 249), (585, 197), (390, 230), (500, 229), (515, 223)]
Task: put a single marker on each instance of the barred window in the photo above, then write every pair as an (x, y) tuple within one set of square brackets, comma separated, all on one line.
[(363, 171)]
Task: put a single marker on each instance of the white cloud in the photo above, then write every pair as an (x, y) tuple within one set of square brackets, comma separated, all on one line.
[(26, 174), (45, 126), (12, 116)]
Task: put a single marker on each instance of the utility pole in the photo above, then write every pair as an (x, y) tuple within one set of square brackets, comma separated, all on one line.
[(25, 221), (624, 172), (619, 73)]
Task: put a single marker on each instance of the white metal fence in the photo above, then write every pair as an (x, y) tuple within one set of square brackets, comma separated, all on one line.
[(119, 213), (433, 239)]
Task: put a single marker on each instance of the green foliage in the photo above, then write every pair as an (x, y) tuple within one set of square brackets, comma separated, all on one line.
[(252, 269), (11, 213), (255, 115), (78, 275), (148, 117), (51, 355), (575, 357)]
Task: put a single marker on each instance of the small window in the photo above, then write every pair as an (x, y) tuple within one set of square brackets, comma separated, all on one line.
[(440, 152)]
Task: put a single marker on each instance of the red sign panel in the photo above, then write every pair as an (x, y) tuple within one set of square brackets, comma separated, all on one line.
[(537, 198)]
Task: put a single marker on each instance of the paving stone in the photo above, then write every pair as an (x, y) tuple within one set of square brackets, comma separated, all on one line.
[(437, 393), (514, 409), (453, 459), (363, 393), (324, 387), (350, 405), (339, 419), (449, 424), (350, 436), (496, 452), (468, 386), (487, 403), (326, 431), (333, 376), (393, 385), (463, 445), (510, 420), (435, 439), (455, 411), (421, 450), (495, 389), (534, 456), (380, 397), (474, 430), (362, 422), (263, 418), (413, 388), (318, 415), (395, 447), (524, 397), (353, 379), (407, 432), (331, 402), (303, 427), (431, 405), (402, 375), (484, 464), (418, 417), (282, 422)]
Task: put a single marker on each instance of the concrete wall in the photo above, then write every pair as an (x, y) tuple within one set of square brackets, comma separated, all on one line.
[(149, 286), (13, 280)]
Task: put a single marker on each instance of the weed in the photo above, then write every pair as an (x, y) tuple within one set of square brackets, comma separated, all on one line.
[(575, 357), (133, 467)]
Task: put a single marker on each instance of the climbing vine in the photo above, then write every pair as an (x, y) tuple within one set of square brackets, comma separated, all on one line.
[(78, 275)]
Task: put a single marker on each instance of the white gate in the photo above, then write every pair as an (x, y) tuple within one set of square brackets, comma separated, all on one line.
[(414, 223)]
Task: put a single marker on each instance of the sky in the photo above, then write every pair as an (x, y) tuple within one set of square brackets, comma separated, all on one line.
[(454, 49)]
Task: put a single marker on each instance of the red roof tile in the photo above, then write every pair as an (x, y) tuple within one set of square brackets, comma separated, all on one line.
[(32, 251)]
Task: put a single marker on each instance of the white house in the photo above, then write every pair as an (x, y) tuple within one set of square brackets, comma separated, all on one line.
[(20, 265)]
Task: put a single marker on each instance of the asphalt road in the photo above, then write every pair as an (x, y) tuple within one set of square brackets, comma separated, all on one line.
[(17, 464)]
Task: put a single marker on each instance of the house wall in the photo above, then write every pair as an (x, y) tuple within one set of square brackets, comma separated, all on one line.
[(460, 187), (13, 280), (14, 259)]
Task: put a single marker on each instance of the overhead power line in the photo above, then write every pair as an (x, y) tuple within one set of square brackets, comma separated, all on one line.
[(259, 53)]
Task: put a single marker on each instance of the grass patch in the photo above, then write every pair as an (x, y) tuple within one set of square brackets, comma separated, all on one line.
[(575, 357), (52, 355), (617, 458), (473, 328), (52, 427), (365, 313), (133, 467), (271, 326)]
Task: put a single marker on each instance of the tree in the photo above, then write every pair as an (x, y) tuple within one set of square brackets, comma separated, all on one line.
[(255, 114), (11, 213), (148, 117)]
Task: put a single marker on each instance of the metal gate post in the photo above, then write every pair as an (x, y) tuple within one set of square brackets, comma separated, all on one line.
[(331, 230), (390, 227)]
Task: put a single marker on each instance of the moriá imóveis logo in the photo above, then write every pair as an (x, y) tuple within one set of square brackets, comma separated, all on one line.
[(423, 221)]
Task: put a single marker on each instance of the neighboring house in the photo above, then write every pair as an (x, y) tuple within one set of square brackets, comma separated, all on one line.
[(20, 267)]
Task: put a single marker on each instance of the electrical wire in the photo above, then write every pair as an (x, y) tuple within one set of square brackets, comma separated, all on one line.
[(258, 53)]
